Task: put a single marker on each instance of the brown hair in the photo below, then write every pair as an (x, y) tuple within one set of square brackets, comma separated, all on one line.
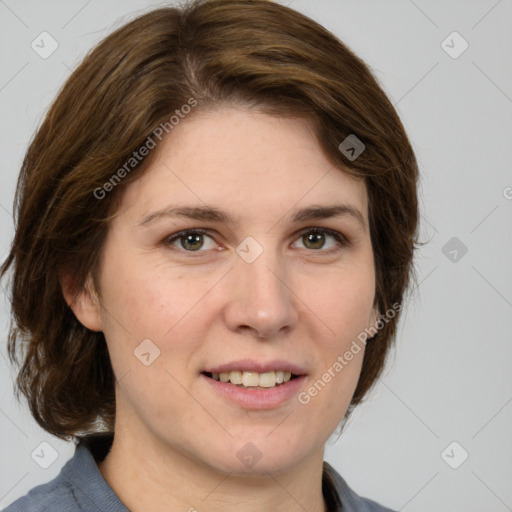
[(255, 53)]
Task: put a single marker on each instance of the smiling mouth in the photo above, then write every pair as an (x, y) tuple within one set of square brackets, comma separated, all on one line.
[(253, 380)]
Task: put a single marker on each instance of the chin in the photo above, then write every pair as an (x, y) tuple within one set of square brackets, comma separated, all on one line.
[(259, 455)]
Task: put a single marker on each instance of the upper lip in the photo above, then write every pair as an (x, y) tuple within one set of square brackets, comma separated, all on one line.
[(249, 365)]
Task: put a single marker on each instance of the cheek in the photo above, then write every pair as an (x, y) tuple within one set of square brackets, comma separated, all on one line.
[(140, 293), (343, 302), (152, 302), (345, 309)]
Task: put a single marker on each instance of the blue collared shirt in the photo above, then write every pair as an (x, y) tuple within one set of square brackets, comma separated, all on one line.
[(80, 487)]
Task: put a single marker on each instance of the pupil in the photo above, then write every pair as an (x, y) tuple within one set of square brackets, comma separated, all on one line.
[(194, 242), (316, 239), (190, 239)]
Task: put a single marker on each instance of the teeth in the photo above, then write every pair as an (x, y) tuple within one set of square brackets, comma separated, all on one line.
[(254, 379), (250, 379), (267, 380), (234, 377)]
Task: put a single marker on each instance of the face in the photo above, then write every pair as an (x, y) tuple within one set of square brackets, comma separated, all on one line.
[(240, 254)]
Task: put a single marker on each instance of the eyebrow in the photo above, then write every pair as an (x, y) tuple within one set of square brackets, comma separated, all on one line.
[(209, 213)]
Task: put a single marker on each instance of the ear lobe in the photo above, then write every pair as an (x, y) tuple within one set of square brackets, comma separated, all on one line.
[(373, 318), (84, 303), (375, 315)]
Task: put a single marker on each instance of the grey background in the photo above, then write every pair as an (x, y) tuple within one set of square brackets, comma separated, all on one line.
[(450, 378)]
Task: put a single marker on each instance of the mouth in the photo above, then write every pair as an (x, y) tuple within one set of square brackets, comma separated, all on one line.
[(251, 379), (255, 385)]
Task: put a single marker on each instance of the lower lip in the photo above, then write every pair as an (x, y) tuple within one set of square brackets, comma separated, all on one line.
[(269, 398)]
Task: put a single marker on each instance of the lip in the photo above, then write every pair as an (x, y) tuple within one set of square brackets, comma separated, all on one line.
[(249, 365), (256, 399)]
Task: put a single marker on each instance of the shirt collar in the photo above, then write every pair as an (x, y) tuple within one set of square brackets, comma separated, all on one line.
[(92, 449)]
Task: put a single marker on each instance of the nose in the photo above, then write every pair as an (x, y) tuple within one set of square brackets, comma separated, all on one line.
[(261, 298)]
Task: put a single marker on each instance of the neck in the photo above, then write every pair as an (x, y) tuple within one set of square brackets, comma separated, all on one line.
[(148, 475)]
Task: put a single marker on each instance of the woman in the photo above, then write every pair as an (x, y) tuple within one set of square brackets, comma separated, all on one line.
[(215, 231)]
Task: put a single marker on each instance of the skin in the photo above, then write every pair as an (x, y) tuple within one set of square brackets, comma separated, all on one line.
[(176, 439)]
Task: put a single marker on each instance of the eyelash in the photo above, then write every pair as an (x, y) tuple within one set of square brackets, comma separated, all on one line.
[(339, 237)]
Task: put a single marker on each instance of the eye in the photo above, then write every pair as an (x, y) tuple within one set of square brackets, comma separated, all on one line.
[(190, 240), (315, 239), (193, 240)]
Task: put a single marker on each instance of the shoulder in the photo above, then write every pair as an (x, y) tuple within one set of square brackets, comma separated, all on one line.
[(57, 496), (79, 487), (344, 498)]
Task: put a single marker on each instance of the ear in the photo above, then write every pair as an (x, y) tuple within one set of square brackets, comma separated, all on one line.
[(374, 317), (84, 303)]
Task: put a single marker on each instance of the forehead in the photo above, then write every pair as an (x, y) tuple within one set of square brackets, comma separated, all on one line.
[(248, 162)]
